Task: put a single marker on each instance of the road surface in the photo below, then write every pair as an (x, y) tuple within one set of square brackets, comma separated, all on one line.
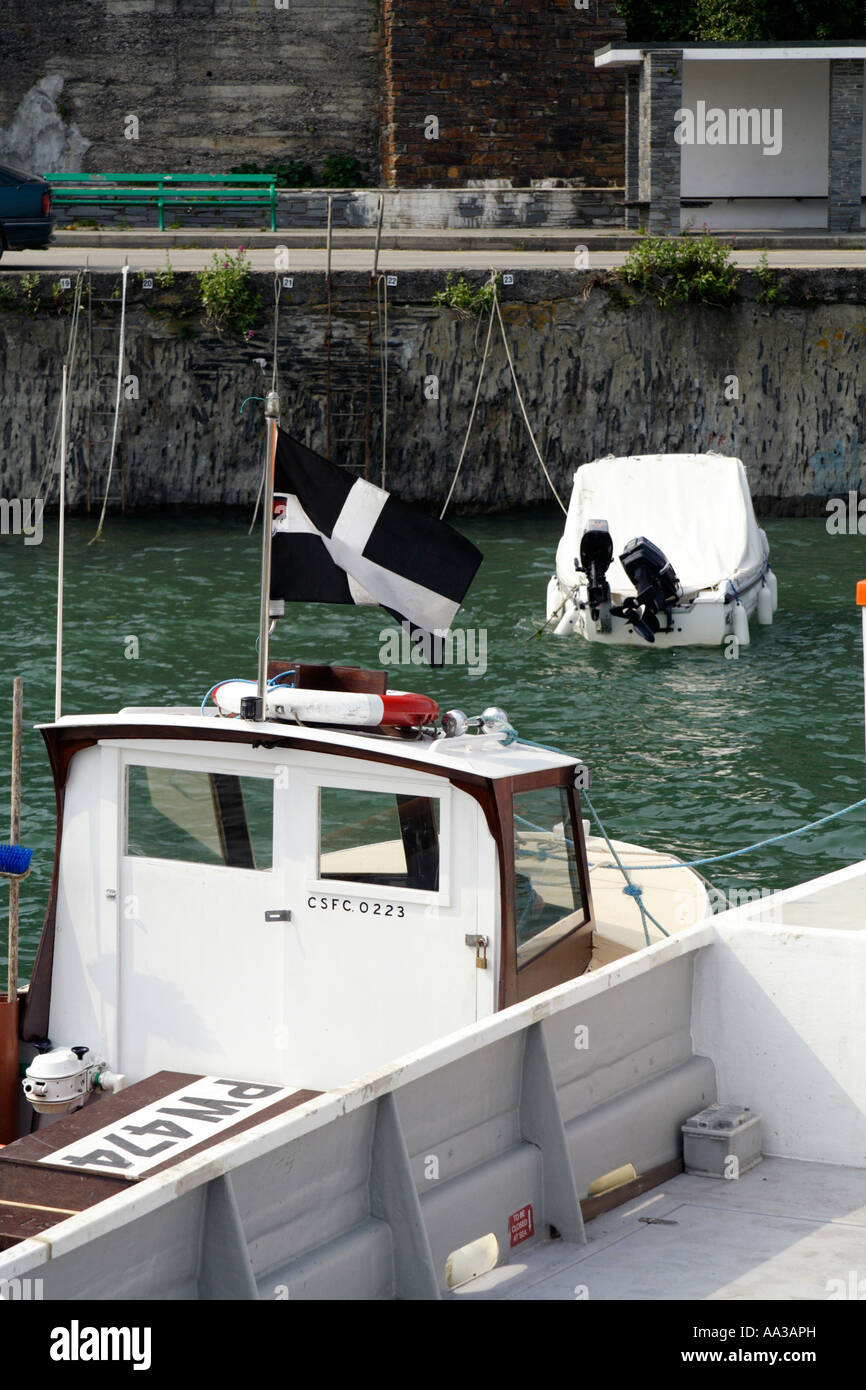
[(57, 259)]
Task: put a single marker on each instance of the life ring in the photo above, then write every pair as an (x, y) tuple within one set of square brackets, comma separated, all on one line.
[(398, 709)]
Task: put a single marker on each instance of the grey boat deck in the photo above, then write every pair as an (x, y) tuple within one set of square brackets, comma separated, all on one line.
[(784, 1230)]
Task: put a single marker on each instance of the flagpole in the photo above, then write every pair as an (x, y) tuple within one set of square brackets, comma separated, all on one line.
[(61, 539), (272, 416)]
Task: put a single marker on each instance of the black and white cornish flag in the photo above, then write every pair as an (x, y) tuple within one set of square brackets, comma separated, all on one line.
[(336, 540)]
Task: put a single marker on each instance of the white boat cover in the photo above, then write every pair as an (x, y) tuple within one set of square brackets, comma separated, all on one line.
[(696, 507)]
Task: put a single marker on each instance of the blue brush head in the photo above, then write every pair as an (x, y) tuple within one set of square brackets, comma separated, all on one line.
[(14, 859)]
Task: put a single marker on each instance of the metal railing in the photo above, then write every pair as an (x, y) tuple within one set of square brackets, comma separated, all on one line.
[(166, 190)]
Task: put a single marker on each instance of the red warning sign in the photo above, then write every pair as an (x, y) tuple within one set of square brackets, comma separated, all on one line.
[(521, 1225)]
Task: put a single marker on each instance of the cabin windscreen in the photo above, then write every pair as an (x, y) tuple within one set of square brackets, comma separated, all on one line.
[(200, 817), (383, 838), (549, 902)]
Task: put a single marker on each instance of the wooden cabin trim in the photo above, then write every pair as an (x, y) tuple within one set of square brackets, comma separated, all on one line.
[(564, 959), (36, 1000)]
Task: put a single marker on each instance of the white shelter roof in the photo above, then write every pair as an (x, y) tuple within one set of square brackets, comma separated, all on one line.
[(627, 55)]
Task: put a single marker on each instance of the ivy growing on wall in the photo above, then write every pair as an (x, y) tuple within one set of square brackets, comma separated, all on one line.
[(742, 21)]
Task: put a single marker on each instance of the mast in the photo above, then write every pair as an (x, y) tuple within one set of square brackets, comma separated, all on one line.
[(61, 539), (861, 601), (272, 416)]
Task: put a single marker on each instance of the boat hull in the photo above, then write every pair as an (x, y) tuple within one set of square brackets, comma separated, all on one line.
[(706, 622)]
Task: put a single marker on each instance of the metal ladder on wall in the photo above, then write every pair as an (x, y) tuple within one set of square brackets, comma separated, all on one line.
[(353, 349)]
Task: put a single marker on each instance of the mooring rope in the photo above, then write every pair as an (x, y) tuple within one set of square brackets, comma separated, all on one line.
[(51, 465), (635, 891), (495, 310), (759, 844), (474, 406), (522, 406), (120, 355), (709, 858)]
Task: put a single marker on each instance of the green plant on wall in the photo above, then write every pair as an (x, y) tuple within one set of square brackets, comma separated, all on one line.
[(770, 292), (295, 173), (8, 295), (338, 171), (163, 278), (740, 21), (679, 270), (343, 171), (30, 294), (21, 294), (467, 299), (231, 305), (63, 298)]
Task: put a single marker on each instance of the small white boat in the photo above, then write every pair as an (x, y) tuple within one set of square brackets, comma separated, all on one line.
[(662, 549)]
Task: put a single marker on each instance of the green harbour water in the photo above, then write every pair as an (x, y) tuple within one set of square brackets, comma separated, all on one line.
[(689, 751)]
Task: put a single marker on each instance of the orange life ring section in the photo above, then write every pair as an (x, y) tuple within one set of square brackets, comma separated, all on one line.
[(407, 711)]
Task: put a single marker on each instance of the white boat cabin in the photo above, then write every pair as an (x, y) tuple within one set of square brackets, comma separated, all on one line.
[(298, 904)]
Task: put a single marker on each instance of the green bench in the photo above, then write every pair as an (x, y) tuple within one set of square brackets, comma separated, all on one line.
[(166, 190)]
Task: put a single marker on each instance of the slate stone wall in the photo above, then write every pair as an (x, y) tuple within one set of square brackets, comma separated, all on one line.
[(782, 387), (846, 145), (212, 83)]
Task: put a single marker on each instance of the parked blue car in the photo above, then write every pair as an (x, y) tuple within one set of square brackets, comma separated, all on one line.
[(25, 210)]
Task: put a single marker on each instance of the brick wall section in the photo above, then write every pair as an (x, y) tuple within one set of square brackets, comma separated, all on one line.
[(846, 145), (514, 88), (213, 82), (661, 94)]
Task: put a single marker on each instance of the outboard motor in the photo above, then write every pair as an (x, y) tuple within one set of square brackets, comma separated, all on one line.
[(658, 588), (596, 555)]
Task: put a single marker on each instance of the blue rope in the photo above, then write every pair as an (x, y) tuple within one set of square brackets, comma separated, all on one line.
[(632, 889), (715, 858), (759, 844)]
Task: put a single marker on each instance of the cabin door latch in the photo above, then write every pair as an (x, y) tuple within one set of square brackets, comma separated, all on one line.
[(278, 914), (479, 945)]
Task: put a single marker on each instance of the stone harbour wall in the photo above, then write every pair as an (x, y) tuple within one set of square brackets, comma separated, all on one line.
[(211, 83), (215, 83), (782, 387)]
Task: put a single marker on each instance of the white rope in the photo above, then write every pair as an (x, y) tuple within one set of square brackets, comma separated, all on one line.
[(277, 291), (71, 351), (474, 407), (120, 354), (522, 406)]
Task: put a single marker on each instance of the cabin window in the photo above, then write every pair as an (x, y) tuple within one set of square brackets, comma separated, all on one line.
[(548, 899), (200, 817), (383, 838)]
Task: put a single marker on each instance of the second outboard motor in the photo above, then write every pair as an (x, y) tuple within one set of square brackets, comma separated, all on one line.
[(596, 555), (658, 588)]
